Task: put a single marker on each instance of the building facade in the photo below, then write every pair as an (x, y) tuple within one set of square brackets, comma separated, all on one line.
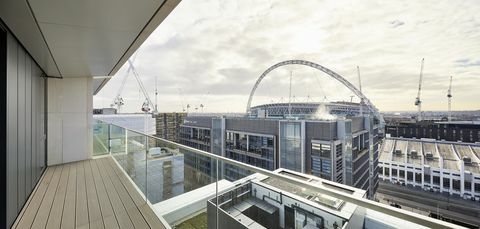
[(343, 150), (168, 125), (464, 131), (438, 166)]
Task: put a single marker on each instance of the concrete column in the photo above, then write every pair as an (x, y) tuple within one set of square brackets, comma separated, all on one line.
[(70, 118), (398, 172), (390, 176), (451, 185), (431, 180), (462, 178), (383, 171), (473, 186), (423, 176), (441, 174)]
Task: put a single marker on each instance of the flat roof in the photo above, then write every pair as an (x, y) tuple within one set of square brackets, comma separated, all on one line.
[(476, 150), (451, 153), (449, 158), (387, 147), (466, 151), (417, 146), (400, 145), (432, 148)]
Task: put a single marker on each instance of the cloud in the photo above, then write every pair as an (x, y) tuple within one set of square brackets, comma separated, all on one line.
[(396, 23), (212, 52), (465, 63)]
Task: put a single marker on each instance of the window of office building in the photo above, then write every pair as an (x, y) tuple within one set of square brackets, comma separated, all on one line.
[(402, 174), (436, 180), (409, 176), (418, 177), (456, 184), (380, 170), (446, 183), (468, 185), (291, 146), (426, 178), (321, 160)]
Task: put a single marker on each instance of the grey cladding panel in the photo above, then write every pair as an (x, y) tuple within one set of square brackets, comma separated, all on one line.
[(261, 126), (28, 125), (321, 130), (25, 154), (205, 122), (21, 166), (12, 207), (357, 124)]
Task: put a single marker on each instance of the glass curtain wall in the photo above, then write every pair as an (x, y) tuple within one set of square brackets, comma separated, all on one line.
[(291, 146)]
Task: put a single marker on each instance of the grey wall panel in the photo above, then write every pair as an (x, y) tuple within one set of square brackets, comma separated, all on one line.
[(11, 154), (21, 125), (198, 121), (41, 120), (28, 125), (25, 128), (42, 123), (33, 119), (262, 126)]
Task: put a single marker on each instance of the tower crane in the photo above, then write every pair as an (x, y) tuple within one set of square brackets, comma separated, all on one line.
[(418, 101), (147, 105), (449, 96), (118, 100)]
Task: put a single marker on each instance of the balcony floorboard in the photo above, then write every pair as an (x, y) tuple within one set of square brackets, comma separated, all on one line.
[(86, 194)]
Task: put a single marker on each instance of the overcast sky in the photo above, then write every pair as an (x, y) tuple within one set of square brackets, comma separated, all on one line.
[(212, 52)]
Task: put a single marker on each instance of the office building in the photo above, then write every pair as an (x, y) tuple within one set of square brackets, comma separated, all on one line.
[(438, 178), (343, 149), (168, 125), (464, 131), (440, 166)]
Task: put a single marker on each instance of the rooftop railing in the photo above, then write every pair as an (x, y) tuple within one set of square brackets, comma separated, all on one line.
[(183, 185)]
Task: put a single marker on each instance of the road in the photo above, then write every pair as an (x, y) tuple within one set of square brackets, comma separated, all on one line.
[(423, 202)]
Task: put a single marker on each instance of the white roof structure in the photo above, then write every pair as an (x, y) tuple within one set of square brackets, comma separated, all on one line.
[(83, 38), (450, 154)]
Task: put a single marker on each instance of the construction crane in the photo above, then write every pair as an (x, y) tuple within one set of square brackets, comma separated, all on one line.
[(147, 105), (418, 101), (118, 101), (360, 87), (449, 96)]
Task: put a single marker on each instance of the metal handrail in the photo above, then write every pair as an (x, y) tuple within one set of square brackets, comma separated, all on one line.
[(362, 202)]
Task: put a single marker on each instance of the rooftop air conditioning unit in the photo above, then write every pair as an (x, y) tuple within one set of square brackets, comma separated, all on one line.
[(398, 152), (467, 160), (413, 154), (429, 156)]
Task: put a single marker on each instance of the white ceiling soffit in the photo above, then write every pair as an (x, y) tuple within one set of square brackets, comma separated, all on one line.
[(18, 18), (78, 38)]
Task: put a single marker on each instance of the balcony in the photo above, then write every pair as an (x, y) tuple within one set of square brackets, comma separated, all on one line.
[(146, 181), (87, 194), (141, 181)]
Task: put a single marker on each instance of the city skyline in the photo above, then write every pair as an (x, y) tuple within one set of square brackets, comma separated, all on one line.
[(212, 52)]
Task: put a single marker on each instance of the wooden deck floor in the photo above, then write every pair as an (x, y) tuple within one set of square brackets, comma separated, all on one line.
[(86, 194)]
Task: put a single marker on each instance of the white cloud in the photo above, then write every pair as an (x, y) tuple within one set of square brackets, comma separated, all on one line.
[(213, 52)]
